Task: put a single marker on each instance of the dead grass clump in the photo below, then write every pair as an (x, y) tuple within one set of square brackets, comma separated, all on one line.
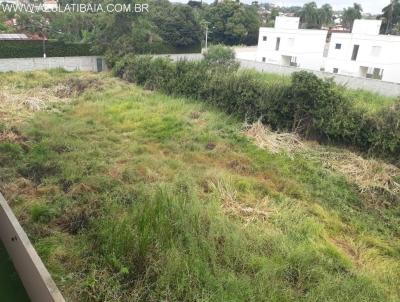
[(371, 176), (274, 142), (230, 204), (9, 136), (34, 104)]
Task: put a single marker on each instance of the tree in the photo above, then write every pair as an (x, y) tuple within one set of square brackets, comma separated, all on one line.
[(313, 17), (232, 23), (309, 16), (166, 27), (177, 25), (325, 15), (350, 14), (390, 18)]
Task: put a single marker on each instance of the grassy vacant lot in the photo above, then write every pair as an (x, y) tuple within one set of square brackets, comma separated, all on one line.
[(130, 195)]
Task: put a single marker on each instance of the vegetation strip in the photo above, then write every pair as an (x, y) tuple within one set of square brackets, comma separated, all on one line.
[(132, 195), (307, 105)]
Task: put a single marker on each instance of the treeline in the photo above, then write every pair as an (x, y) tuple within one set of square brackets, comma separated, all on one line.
[(312, 107), (164, 27)]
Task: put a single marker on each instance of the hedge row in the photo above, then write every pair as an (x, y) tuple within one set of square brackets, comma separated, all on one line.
[(34, 49), (308, 105)]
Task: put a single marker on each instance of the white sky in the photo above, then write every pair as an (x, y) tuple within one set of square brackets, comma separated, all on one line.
[(369, 6)]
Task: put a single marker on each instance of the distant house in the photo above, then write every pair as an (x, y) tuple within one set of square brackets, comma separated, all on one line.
[(11, 22), (13, 37), (360, 53), (287, 45), (50, 4), (364, 52)]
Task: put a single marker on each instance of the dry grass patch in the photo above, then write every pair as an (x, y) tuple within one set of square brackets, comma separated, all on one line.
[(19, 103), (231, 204), (274, 142), (370, 175)]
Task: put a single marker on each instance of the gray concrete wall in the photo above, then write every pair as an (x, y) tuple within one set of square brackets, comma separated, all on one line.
[(34, 276), (68, 63), (377, 86)]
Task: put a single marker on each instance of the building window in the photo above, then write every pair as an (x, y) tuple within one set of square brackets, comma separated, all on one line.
[(374, 73), (263, 59), (293, 61), (338, 46), (376, 50), (355, 52), (335, 70), (278, 42), (264, 38)]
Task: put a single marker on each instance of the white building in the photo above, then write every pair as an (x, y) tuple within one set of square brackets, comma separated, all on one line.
[(364, 53), (286, 44), (361, 53)]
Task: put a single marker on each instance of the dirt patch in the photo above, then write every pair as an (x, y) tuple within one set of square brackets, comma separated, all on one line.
[(76, 86)]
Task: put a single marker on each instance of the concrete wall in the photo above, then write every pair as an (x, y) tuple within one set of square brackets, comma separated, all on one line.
[(68, 63), (377, 86), (34, 276)]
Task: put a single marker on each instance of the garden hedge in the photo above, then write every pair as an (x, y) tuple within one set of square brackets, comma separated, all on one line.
[(34, 49)]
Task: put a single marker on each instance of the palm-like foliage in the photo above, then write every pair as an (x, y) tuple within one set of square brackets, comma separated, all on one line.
[(313, 17), (350, 14), (390, 17)]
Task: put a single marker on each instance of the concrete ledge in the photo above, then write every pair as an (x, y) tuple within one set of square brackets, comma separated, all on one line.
[(34, 276)]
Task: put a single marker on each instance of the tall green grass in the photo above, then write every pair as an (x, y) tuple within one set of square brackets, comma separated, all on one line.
[(132, 195)]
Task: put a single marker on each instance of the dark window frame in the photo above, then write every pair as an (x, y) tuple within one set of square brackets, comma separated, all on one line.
[(354, 54), (278, 43), (338, 46)]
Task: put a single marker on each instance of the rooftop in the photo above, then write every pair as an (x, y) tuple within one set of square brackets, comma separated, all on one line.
[(4, 37)]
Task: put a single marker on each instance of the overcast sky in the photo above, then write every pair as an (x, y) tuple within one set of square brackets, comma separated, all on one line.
[(369, 6)]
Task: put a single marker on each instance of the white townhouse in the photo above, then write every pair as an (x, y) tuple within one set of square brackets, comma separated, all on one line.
[(364, 53), (287, 45)]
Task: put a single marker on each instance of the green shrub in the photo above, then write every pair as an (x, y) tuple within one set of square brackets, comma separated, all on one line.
[(385, 136), (9, 153), (42, 213), (221, 55)]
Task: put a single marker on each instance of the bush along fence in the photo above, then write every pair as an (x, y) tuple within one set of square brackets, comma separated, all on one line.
[(34, 49), (313, 107)]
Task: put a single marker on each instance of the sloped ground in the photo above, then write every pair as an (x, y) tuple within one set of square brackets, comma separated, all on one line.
[(129, 195)]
